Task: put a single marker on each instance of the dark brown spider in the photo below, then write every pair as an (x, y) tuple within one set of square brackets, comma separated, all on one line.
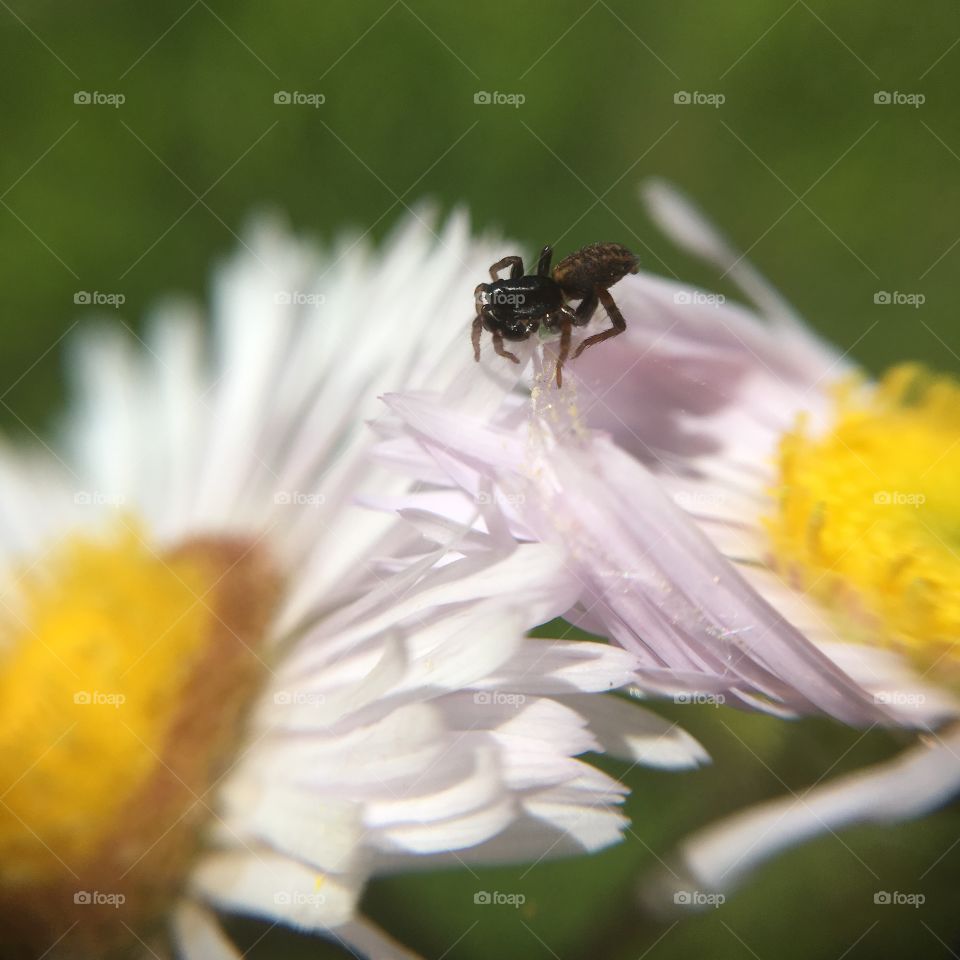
[(515, 308)]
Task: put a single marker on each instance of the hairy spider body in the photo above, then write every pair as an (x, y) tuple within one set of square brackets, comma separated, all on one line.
[(595, 265), (515, 308)]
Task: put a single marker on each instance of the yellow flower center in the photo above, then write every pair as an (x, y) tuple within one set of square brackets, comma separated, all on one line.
[(123, 677), (868, 517)]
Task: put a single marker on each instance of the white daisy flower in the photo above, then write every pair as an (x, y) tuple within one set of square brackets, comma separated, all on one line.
[(729, 497), (224, 686), (835, 495)]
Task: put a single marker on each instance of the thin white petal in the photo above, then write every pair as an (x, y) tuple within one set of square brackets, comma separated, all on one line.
[(914, 783), (629, 731)]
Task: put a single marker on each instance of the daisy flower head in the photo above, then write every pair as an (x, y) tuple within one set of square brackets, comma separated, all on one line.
[(746, 511), (835, 495), (224, 685)]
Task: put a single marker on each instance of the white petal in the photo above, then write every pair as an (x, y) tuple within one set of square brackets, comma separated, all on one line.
[(467, 782), (587, 827), (371, 942), (275, 888), (916, 782), (633, 733), (325, 832), (454, 833), (198, 935), (547, 666)]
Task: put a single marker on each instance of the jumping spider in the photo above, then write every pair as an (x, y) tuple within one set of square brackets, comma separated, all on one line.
[(514, 309)]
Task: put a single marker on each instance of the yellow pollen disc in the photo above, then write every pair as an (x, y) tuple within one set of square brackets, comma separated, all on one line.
[(123, 676), (868, 517)]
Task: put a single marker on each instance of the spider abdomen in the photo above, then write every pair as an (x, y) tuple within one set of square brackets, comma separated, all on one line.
[(595, 265)]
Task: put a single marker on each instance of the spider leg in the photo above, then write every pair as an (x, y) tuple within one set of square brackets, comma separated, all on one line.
[(498, 347), (515, 264), (566, 329), (543, 265), (586, 309), (616, 318), (475, 336)]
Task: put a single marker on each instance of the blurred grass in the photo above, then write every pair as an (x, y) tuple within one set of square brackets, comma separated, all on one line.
[(837, 198)]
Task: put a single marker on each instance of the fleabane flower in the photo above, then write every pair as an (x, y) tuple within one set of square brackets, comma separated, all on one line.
[(746, 511), (642, 573), (224, 686), (835, 495)]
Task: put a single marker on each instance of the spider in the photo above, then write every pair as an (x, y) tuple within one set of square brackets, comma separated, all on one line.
[(515, 308)]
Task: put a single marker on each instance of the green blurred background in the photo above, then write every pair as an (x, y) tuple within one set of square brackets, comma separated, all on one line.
[(837, 198)]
